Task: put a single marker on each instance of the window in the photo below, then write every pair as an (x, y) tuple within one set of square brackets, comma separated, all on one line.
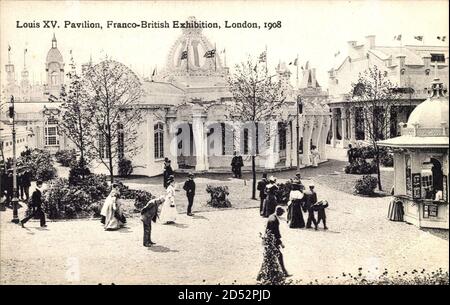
[(282, 135), (159, 140), (54, 78), (437, 58), (408, 175), (222, 125), (245, 141), (51, 132)]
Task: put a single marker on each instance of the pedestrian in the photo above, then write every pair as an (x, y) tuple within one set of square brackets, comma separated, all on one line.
[(168, 172), (315, 156), (112, 210), (25, 183), (273, 227), (271, 200), (36, 205), (189, 187), (148, 214), (295, 204), (350, 154), (321, 215), (169, 210), (298, 180), (236, 165), (311, 199), (261, 188)]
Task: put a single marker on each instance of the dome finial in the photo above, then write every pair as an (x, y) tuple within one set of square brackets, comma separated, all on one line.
[(437, 87), (54, 43)]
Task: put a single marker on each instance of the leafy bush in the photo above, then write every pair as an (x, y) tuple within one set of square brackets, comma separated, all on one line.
[(218, 196), (387, 160), (361, 167), (66, 157), (77, 172), (94, 185), (39, 162), (366, 185), (415, 277), (141, 197), (125, 167), (62, 200), (270, 272)]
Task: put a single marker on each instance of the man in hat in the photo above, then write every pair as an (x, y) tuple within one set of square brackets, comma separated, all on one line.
[(311, 199), (261, 188), (168, 171), (24, 184), (236, 165), (273, 227), (189, 187), (148, 214), (36, 204)]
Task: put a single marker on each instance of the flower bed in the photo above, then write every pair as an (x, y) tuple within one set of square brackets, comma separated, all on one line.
[(218, 196)]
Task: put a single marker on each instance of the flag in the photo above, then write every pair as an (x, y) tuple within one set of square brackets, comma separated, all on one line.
[(263, 57), (9, 48), (154, 72), (184, 55), (398, 37), (210, 53), (223, 51), (52, 98), (441, 38), (25, 51), (254, 69), (295, 62), (337, 53), (419, 38)]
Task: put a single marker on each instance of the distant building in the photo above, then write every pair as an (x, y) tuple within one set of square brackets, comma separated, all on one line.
[(410, 67)]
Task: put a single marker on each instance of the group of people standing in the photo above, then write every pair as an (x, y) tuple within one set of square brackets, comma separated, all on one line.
[(300, 201), (23, 184)]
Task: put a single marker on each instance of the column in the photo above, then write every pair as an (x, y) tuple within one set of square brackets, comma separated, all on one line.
[(269, 151), (325, 129), (199, 142), (237, 127), (344, 126), (320, 135), (309, 126), (171, 141), (333, 126), (352, 125)]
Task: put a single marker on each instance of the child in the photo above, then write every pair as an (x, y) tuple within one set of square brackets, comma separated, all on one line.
[(320, 207)]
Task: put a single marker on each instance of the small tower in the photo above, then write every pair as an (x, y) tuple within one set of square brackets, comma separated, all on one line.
[(54, 67), (9, 69)]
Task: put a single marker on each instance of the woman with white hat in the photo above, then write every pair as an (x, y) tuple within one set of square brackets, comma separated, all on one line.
[(169, 210), (295, 203)]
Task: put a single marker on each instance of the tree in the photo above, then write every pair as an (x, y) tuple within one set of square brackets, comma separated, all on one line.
[(75, 121), (375, 95), (114, 92), (257, 99)]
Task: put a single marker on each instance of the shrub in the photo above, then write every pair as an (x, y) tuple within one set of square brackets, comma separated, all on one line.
[(140, 197), (125, 167), (366, 185), (387, 160), (270, 272), (77, 172), (62, 200), (66, 157), (361, 167), (39, 162), (218, 196), (94, 185)]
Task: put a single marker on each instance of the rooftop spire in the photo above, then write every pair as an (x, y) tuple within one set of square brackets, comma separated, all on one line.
[(54, 43), (437, 87)]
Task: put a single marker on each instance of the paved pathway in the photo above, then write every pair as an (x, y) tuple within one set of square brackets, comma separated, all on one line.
[(216, 247)]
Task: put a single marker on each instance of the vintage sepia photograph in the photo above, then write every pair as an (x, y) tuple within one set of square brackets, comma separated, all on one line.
[(255, 142)]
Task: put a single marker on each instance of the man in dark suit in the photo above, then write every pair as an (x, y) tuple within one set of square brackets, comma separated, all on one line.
[(273, 226), (236, 165), (24, 184), (262, 195), (36, 205), (189, 187), (148, 214), (311, 199)]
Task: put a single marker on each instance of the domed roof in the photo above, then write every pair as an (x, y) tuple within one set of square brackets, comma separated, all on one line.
[(433, 112), (53, 54)]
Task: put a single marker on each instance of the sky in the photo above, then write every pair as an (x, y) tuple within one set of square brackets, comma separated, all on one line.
[(315, 30)]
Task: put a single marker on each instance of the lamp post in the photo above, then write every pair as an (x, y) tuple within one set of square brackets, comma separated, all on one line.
[(15, 198), (299, 111)]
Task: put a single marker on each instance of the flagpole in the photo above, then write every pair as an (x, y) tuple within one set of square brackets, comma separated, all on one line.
[(9, 54), (215, 62), (297, 69), (225, 56), (187, 59), (266, 60)]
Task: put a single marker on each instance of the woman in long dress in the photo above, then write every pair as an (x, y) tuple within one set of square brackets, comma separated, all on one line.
[(112, 211), (315, 156), (270, 202), (295, 203), (169, 211)]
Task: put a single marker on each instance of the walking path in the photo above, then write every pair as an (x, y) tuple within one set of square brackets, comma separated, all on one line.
[(217, 247)]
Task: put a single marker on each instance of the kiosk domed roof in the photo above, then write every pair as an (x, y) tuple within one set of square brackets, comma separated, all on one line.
[(53, 54), (433, 112)]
